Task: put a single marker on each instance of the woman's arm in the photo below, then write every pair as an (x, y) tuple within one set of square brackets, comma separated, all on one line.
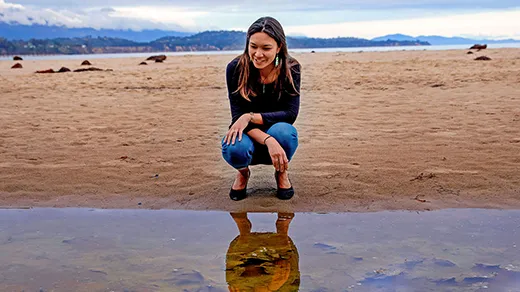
[(257, 119), (289, 115), (258, 135), (276, 152), (235, 102), (238, 105)]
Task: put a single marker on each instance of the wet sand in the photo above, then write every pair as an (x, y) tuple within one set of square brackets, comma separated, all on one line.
[(413, 130)]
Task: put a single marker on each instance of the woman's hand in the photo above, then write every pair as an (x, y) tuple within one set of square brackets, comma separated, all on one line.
[(237, 129), (278, 156)]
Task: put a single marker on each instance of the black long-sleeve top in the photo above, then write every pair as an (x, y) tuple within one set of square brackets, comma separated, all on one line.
[(273, 107)]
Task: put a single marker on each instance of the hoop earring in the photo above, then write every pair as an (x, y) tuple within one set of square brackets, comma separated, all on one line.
[(276, 61)]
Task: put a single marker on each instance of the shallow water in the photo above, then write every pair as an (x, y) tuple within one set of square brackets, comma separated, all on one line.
[(167, 250), (324, 50)]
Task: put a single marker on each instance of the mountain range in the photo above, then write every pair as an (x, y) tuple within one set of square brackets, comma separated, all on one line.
[(204, 41), (15, 31), (440, 40)]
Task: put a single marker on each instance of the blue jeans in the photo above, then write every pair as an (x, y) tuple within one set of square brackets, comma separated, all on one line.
[(248, 152)]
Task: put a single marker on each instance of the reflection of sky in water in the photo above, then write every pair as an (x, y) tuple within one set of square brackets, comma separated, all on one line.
[(144, 250)]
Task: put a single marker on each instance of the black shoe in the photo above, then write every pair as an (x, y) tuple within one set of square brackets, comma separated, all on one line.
[(282, 193), (238, 195), (285, 194)]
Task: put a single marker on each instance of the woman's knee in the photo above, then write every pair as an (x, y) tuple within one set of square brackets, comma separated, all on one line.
[(286, 135), (238, 155)]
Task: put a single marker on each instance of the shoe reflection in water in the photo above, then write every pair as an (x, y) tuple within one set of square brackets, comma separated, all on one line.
[(264, 261)]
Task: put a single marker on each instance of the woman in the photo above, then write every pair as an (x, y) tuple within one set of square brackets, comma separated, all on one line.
[(263, 86)]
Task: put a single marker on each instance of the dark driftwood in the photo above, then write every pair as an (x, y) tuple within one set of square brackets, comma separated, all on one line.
[(155, 58), (483, 58), (478, 47)]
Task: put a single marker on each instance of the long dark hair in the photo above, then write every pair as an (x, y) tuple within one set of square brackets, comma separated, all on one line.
[(284, 80)]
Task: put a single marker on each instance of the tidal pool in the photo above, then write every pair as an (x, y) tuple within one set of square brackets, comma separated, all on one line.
[(170, 250)]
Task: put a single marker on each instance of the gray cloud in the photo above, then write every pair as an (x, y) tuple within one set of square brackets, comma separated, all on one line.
[(107, 10), (94, 18)]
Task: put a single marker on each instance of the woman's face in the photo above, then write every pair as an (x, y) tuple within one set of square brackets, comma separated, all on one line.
[(262, 50)]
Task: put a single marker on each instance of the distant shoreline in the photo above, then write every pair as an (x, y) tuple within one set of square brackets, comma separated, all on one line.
[(230, 52), (202, 51)]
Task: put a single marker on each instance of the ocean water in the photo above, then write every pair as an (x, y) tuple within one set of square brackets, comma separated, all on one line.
[(171, 250), (357, 49)]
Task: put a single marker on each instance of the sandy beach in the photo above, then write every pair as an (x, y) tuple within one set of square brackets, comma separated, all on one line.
[(412, 130)]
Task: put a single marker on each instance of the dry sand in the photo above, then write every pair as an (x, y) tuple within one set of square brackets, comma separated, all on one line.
[(415, 130)]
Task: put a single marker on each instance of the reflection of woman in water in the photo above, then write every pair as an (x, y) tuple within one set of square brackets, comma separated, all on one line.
[(263, 87), (262, 261)]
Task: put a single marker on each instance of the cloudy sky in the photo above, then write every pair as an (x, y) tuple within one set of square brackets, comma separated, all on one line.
[(314, 18)]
